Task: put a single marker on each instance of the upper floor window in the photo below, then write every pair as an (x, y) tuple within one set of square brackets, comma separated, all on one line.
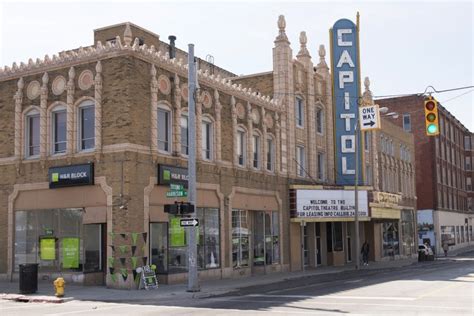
[(206, 140), (270, 154), (32, 134), (59, 138), (300, 159), (319, 120), (184, 135), (241, 146), (299, 112), (467, 142), (256, 151), (366, 141), (164, 130), (321, 167), (468, 162), (407, 122), (86, 126)]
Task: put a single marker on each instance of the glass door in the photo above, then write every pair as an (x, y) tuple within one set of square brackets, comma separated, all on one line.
[(317, 232)]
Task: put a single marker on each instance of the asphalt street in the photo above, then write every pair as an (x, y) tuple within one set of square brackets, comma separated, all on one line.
[(443, 287)]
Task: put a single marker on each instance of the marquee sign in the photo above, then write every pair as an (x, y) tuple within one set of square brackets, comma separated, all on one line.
[(346, 92), (330, 204)]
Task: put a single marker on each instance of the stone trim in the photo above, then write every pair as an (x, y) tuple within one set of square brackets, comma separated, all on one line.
[(149, 54), (98, 109)]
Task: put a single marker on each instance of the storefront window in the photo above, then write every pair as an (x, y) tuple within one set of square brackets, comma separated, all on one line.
[(52, 238), (209, 238), (93, 247), (408, 241), (177, 259), (390, 239), (448, 235), (265, 238), (159, 245), (240, 239), (334, 238)]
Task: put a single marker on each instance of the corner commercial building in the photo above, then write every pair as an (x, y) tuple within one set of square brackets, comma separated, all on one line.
[(90, 137), (443, 174)]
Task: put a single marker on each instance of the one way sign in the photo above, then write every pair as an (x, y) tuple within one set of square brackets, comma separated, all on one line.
[(189, 222), (369, 117)]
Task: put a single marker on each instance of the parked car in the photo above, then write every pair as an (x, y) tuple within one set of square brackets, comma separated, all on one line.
[(425, 253)]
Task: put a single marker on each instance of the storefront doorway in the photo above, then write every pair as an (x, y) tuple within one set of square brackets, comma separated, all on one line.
[(265, 240)]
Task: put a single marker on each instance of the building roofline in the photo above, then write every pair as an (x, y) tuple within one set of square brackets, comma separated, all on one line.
[(252, 75), (125, 23)]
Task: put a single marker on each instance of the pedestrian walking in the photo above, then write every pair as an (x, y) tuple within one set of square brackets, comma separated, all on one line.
[(445, 248), (365, 253)]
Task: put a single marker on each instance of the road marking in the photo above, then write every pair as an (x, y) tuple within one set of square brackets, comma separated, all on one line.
[(354, 281), (300, 287), (392, 298), (438, 290)]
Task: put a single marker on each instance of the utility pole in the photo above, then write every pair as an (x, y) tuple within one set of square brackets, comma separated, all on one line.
[(193, 282), (356, 194)]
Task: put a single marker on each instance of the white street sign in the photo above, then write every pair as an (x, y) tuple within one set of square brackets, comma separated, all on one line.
[(369, 117), (188, 222)]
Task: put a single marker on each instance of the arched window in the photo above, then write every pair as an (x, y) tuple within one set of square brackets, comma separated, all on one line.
[(319, 120), (241, 146), (270, 153), (207, 139), (164, 129), (299, 112), (184, 123), (32, 133), (256, 150), (58, 129), (86, 124)]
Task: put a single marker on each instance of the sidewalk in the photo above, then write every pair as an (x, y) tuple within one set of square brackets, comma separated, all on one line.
[(9, 291)]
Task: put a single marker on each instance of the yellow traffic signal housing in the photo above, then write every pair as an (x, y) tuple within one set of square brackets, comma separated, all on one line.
[(431, 116)]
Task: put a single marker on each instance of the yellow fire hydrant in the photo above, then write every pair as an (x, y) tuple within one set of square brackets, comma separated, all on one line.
[(59, 287)]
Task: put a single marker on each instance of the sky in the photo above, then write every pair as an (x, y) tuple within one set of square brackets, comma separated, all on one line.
[(406, 46)]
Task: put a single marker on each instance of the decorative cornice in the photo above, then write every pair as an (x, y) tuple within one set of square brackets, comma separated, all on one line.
[(148, 53)]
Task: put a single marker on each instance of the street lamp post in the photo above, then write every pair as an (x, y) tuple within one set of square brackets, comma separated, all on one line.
[(356, 194)]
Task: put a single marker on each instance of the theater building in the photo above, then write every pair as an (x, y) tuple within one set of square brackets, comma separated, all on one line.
[(91, 137)]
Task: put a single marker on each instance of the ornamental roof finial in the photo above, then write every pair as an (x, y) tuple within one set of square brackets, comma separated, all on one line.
[(303, 50), (281, 26), (127, 35)]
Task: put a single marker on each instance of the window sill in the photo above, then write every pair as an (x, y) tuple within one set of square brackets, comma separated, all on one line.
[(167, 153), (31, 158)]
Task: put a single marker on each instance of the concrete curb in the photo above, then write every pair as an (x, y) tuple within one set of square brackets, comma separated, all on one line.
[(33, 299)]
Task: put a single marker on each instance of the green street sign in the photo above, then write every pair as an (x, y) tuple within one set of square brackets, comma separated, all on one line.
[(176, 187), (176, 194)]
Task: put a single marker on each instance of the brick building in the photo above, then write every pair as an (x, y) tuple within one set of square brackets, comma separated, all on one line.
[(88, 135), (443, 184)]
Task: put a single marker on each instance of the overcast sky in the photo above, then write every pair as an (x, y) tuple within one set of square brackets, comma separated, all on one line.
[(405, 45)]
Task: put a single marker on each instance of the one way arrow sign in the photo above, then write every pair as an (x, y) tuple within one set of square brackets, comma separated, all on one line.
[(189, 222), (369, 117)]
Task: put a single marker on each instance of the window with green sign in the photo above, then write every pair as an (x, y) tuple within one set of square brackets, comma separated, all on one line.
[(52, 238)]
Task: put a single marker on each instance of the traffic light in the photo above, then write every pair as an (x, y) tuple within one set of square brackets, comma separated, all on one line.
[(179, 208), (431, 116)]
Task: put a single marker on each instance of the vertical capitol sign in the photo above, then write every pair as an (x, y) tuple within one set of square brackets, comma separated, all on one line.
[(346, 92)]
